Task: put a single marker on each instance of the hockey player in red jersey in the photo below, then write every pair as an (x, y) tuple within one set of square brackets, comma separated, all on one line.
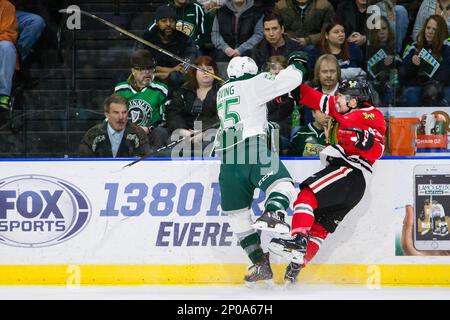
[(356, 141)]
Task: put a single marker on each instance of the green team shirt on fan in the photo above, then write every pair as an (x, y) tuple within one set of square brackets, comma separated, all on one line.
[(307, 142), (145, 107)]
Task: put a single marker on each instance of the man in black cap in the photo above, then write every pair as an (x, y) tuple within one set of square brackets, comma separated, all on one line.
[(166, 36), (145, 97)]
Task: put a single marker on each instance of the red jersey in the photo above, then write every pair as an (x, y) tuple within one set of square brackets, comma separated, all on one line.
[(366, 118)]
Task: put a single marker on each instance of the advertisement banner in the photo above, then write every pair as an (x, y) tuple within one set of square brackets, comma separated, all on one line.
[(167, 213)]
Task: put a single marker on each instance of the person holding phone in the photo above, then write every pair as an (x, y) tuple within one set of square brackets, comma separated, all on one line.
[(431, 202), (356, 138), (407, 239)]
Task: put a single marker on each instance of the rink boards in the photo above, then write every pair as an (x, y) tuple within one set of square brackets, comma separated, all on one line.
[(159, 222)]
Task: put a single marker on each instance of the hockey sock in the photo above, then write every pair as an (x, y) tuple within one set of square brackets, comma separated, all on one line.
[(4, 102), (252, 246), (276, 201), (304, 207), (317, 235)]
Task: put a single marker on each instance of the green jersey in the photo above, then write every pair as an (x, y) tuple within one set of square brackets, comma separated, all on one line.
[(145, 107), (307, 142)]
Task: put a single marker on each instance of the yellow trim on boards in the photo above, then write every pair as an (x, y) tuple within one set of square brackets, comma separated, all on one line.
[(217, 274)]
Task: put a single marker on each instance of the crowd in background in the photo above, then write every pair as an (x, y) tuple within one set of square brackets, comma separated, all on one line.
[(404, 53)]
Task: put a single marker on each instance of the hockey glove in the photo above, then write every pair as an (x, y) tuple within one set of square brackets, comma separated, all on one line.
[(300, 60), (356, 137)]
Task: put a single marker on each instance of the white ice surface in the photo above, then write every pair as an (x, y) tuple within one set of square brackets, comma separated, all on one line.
[(297, 292)]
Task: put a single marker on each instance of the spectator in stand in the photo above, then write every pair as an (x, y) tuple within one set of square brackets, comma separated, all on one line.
[(397, 17), (146, 97), (412, 6), (190, 20), (333, 41), (311, 138), (211, 5), (354, 15), (433, 40), (275, 42), (8, 54), (429, 8), (116, 137), (195, 102), (166, 36), (382, 72), (327, 76), (30, 27), (303, 19), (236, 30)]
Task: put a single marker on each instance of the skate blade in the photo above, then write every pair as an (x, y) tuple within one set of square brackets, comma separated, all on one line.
[(261, 284), (279, 228), (290, 255)]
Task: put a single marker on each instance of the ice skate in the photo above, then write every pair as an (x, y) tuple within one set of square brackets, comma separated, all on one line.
[(291, 249), (273, 221), (292, 271), (260, 272)]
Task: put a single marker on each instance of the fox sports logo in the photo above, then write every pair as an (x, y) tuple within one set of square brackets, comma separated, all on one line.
[(41, 211)]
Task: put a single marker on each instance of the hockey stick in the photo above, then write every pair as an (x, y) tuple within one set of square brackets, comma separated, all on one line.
[(170, 145), (147, 43)]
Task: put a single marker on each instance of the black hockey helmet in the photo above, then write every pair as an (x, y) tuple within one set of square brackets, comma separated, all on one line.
[(356, 88)]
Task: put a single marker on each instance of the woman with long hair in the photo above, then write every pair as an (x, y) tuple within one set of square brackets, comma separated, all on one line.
[(432, 38), (333, 40), (193, 106), (381, 55), (431, 49)]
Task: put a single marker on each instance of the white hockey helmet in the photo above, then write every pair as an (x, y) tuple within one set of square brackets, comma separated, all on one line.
[(239, 66)]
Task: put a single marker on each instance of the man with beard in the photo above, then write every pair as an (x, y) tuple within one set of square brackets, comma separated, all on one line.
[(115, 137), (190, 20), (146, 97), (166, 36)]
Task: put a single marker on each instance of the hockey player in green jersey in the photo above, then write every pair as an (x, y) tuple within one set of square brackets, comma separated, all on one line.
[(146, 97), (247, 161)]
